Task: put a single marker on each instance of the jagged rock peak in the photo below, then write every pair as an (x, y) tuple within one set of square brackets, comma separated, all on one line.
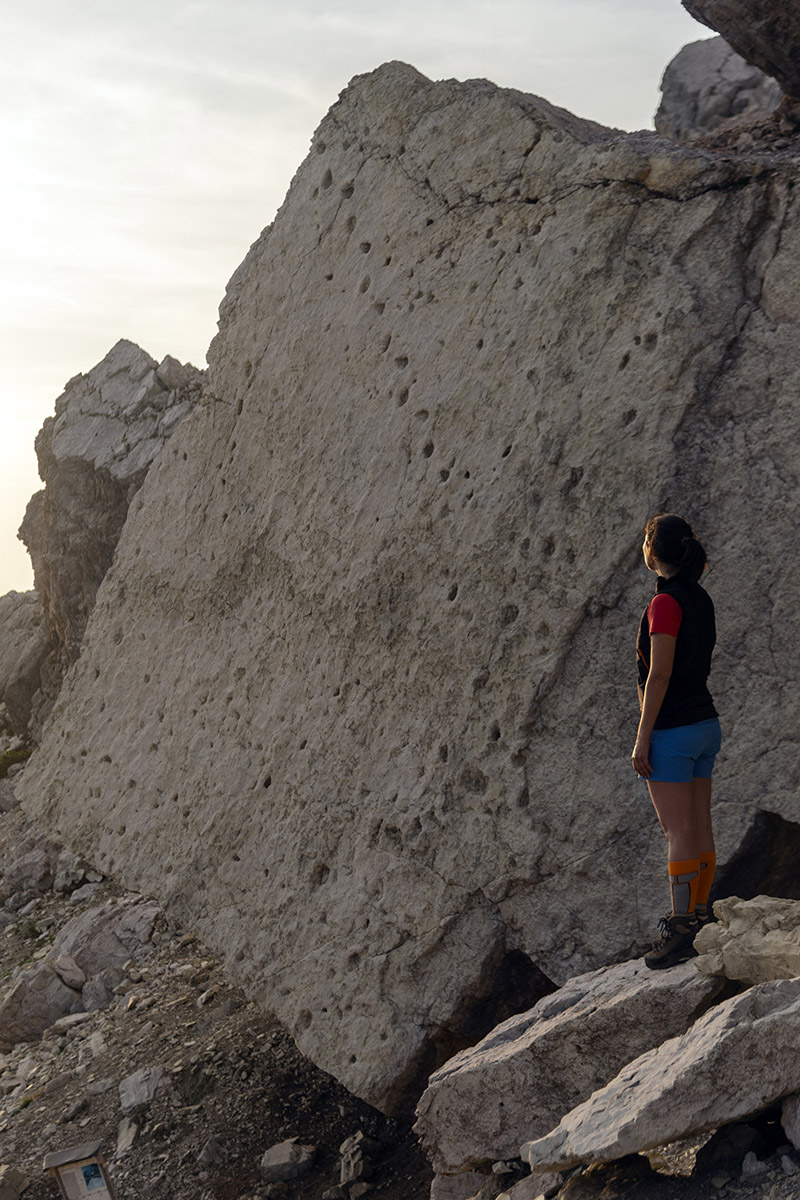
[(766, 34), (93, 455), (119, 414)]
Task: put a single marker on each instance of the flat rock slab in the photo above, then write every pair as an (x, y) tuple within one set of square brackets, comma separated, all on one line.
[(752, 940), (766, 34), (742, 1056), (533, 1069)]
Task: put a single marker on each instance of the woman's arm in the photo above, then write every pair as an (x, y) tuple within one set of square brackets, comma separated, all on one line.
[(662, 656)]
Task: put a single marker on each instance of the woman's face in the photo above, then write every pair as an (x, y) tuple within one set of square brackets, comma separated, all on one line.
[(649, 561)]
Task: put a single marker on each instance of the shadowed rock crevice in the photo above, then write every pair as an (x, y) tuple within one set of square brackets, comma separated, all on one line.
[(510, 983), (766, 862)]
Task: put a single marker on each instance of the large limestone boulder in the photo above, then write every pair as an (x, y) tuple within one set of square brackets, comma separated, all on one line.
[(752, 940), (25, 648), (742, 1056), (532, 1070), (707, 84), (93, 456), (357, 702), (766, 34)]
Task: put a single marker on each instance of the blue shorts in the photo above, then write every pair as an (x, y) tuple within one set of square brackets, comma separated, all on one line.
[(684, 753)]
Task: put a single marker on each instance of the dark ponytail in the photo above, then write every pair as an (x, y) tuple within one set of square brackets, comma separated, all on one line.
[(670, 539)]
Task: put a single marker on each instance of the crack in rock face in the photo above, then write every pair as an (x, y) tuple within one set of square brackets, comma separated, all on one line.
[(357, 697)]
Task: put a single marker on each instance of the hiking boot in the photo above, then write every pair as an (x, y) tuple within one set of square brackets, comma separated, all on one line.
[(705, 915), (675, 945)]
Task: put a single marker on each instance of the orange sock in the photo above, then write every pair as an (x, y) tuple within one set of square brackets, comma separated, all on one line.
[(683, 878), (708, 865)]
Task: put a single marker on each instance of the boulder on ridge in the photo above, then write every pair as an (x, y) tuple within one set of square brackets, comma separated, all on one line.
[(357, 698), (739, 1058), (707, 84), (766, 35), (536, 1067)]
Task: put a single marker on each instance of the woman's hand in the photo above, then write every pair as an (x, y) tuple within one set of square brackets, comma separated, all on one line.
[(640, 758)]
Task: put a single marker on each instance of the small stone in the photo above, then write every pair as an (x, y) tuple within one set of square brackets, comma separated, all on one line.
[(788, 1165), (138, 1089), (74, 1110), (86, 892), (98, 1087), (287, 1160), (68, 971), (212, 1154), (334, 1193), (752, 1166), (359, 1189), (720, 1180), (12, 1183), (127, 1133)]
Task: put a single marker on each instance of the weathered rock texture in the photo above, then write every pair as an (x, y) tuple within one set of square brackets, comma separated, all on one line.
[(24, 648), (93, 456), (707, 84), (356, 702), (752, 940), (529, 1072), (766, 34), (740, 1057)]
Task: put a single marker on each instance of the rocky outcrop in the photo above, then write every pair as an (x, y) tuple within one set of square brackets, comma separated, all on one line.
[(708, 84), (25, 649), (752, 940), (521, 1080), (86, 959), (738, 1059), (93, 456), (356, 698), (768, 37)]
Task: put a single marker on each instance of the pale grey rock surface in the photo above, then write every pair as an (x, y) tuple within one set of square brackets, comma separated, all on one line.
[(138, 1089), (93, 455), (383, 585), (790, 1119), (751, 940), (457, 1187), (13, 1183), (288, 1160), (739, 1058), (708, 83), (531, 1188), (532, 1070), (766, 34), (102, 939), (25, 647), (33, 1003)]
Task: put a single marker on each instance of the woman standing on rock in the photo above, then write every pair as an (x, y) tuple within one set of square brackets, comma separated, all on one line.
[(679, 735)]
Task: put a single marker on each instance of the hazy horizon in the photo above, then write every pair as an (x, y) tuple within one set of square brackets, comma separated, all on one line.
[(146, 149)]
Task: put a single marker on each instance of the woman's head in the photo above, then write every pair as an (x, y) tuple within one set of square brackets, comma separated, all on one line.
[(668, 538)]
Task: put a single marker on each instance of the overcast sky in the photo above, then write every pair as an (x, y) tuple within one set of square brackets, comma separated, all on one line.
[(144, 147)]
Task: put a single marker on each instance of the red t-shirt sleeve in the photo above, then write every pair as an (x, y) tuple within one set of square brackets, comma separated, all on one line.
[(664, 614)]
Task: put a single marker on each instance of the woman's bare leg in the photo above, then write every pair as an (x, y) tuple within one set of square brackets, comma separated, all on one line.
[(701, 800), (676, 810)]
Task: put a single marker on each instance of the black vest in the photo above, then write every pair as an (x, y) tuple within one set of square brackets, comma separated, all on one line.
[(687, 699)]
